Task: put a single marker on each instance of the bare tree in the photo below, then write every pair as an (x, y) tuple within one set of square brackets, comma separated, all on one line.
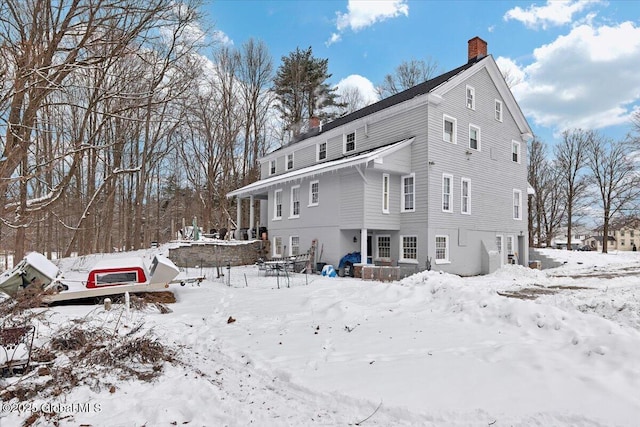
[(570, 159), (406, 75), (615, 176), (352, 98)]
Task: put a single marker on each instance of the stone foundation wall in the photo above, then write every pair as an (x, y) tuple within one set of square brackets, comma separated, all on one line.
[(212, 254)]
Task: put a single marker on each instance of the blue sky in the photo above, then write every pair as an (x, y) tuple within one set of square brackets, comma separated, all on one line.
[(575, 63)]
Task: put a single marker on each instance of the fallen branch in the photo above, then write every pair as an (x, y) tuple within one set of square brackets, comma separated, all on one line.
[(372, 414)]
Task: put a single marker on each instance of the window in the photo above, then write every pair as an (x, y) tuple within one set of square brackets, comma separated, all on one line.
[(621, 242), (471, 98), (449, 129), (465, 194), (277, 246), (350, 142), (294, 245), (498, 110), (277, 204), (499, 243), (409, 248), (442, 249), (322, 151), (385, 193), (446, 193), (272, 167), (384, 246), (408, 193), (517, 204), (631, 233), (515, 151), (474, 137), (289, 161), (295, 202), (314, 196)]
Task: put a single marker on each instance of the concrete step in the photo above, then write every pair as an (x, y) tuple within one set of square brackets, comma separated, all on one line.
[(546, 262)]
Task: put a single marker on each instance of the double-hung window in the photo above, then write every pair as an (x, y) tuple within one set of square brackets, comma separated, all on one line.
[(290, 161), (385, 193), (314, 193), (449, 129), (515, 151), (442, 249), (295, 202), (447, 192), (322, 151), (517, 204), (498, 110), (474, 137), (277, 204), (471, 98), (350, 142), (272, 167), (408, 193), (294, 245), (384, 246), (277, 246), (409, 248), (465, 195)]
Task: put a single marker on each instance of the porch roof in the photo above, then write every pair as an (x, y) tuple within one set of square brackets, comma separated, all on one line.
[(321, 168)]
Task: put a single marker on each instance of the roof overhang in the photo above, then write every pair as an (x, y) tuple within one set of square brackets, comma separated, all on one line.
[(262, 185)]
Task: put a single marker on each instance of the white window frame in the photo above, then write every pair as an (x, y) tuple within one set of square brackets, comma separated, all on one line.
[(272, 167), (402, 250), (344, 142), (446, 176), (290, 155), (291, 246), (515, 149), (378, 238), (462, 196), (470, 95), (318, 151), (292, 213), (276, 246), (445, 259), (403, 207), (317, 193), (386, 186), (501, 245), (454, 138), (277, 194), (517, 204), (498, 110), (477, 128)]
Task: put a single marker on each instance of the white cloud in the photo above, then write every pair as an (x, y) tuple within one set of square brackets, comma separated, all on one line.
[(588, 78), (364, 13), (222, 38), (554, 13), (364, 86)]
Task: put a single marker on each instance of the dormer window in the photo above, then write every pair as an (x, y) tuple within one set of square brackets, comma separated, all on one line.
[(471, 98), (350, 142), (322, 151), (272, 167), (289, 161)]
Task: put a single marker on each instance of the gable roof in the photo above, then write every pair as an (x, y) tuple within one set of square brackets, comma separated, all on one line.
[(320, 168)]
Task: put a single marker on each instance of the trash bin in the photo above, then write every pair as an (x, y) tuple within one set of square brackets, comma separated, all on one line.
[(320, 266)]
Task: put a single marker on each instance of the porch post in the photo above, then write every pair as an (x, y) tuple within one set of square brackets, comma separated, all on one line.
[(363, 246), (252, 222), (238, 218)]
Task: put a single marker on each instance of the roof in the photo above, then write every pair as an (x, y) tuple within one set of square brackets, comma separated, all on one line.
[(320, 168), (412, 92)]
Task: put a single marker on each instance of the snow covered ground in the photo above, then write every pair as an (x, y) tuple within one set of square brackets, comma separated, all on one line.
[(520, 347)]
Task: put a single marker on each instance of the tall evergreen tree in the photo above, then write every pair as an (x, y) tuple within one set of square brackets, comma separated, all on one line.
[(302, 91)]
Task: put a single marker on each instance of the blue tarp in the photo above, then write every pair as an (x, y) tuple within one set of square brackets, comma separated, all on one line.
[(353, 258), (328, 270)]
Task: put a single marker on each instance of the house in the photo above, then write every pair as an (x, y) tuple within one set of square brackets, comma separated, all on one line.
[(432, 177), (623, 233), (595, 243), (579, 235)]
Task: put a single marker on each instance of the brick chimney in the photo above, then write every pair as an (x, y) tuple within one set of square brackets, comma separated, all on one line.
[(314, 122), (477, 48)]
